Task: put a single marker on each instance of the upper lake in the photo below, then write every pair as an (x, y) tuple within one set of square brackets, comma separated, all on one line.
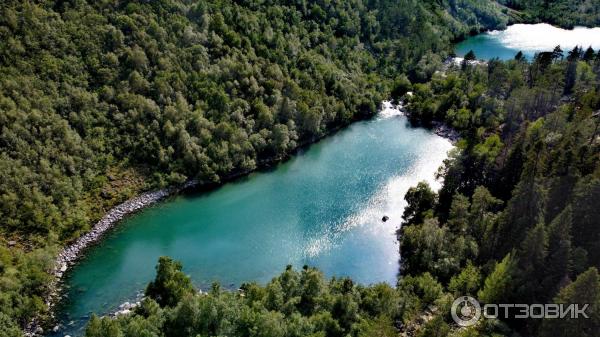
[(529, 39), (323, 208)]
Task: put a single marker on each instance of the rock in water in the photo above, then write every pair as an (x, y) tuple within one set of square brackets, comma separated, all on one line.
[(385, 218)]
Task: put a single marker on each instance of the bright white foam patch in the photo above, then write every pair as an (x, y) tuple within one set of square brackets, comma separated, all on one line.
[(544, 37), (389, 110)]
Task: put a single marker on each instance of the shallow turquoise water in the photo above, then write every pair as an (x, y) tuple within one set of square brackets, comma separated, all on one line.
[(322, 208), (529, 39)]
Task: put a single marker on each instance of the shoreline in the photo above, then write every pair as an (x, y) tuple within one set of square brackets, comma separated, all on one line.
[(70, 254), (439, 128)]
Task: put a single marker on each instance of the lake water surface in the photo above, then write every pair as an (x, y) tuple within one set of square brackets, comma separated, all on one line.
[(529, 39), (321, 208)]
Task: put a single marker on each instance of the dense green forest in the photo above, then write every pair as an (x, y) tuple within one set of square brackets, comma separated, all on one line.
[(565, 13), (100, 100), (517, 219), (515, 222)]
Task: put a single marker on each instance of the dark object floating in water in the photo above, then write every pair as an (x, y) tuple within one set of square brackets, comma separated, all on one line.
[(385, 218)]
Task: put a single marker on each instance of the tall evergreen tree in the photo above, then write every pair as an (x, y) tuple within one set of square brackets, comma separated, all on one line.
[(585, 290), (558, 260)]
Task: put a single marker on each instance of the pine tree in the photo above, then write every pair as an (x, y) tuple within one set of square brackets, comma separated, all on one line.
[(499, 284), (531, 262), (586, 218), (585, 290), (558, 260), (458, 220), (519, 57), (470, 56), (589, 54), (482, 216), (557, 53)]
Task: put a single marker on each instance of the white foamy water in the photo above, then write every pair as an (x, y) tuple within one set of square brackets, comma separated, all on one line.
[(544, 37), (389, 110)]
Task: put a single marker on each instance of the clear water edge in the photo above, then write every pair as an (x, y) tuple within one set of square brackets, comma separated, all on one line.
[(529, 39), (322, 208)]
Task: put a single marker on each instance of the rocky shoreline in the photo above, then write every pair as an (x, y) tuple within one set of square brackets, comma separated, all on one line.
[(445, 131), (439, 128), (69, 254)]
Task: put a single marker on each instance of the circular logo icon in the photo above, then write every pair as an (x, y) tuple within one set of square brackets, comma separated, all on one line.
[(465, 311)]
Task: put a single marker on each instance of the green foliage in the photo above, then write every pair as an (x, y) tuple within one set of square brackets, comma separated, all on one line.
[(584, 290), (521, 184), (170, 284), (434, 249), (435, 328), (23, 280), (467, 282), (425, 286), (101, 100), (420, 200), (292, 304), (470, 56), (565, 13), (498, 285)]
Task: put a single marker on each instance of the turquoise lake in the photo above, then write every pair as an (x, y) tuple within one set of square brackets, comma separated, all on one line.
[(321, 208), (528, 39)]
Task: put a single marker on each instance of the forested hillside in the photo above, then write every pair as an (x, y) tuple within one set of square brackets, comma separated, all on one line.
[(517, 220), (565, 13), (100, 100), (176, 90)]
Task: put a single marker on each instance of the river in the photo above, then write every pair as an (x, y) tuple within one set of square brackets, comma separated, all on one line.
[(323, 208), (528, 39)]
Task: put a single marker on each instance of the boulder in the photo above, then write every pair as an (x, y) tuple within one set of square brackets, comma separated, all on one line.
[(385, 218)]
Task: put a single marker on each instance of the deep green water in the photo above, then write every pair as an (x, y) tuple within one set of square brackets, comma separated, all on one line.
[(529, 39), (322, 208)]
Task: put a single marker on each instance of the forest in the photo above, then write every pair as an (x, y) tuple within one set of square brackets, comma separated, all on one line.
[(564, 13), (102, 100)]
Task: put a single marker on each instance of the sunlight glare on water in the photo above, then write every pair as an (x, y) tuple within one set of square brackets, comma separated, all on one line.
[(322, 208)]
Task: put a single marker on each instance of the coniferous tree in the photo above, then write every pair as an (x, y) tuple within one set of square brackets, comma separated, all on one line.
[(558, 260), (584, 290)]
